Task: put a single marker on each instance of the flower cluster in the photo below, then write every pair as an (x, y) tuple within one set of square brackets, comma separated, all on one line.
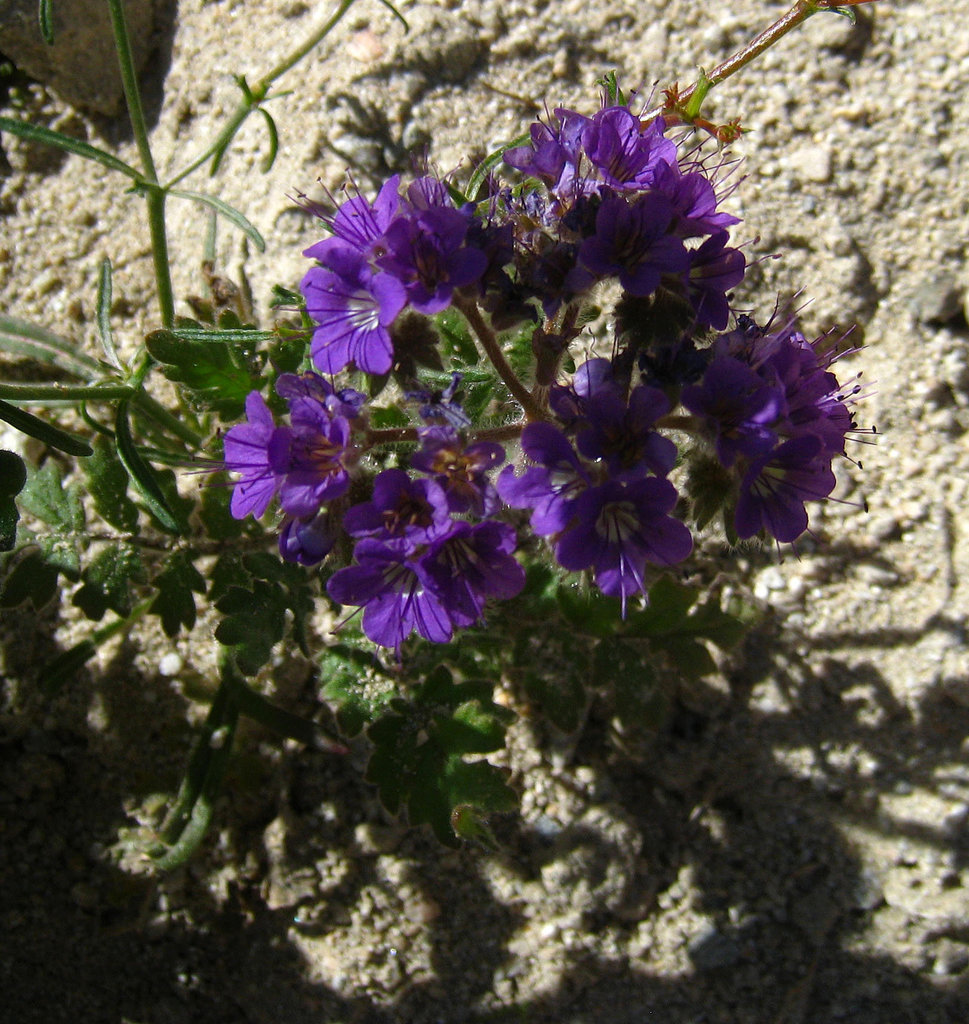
[(435, 531)]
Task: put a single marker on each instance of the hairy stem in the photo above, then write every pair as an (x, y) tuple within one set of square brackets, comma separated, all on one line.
[(492, 349), (154, 196), (799, 13)]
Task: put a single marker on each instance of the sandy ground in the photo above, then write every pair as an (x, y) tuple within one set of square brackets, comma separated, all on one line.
[(793, 848)]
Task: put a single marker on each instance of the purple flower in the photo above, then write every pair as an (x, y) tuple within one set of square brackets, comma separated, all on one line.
[(346, 402), (715, 269), (631, 242), (461, 470), (396, 595), (246, 451), (307, 541), (737, 408), (621, 434), (359, 226), (309, 457), (694, 202), (471, 564), (353, 307), (617, 528), (551, 488), (426, 251), (553, 153), (815, 402), (624, 153), (776, 486), (403, 512)]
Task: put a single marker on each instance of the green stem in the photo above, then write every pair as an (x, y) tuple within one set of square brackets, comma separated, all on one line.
[(797, 15), (154, 195), (492, 349), (66, 393), (258, 93), (164, 418), (222, 715)]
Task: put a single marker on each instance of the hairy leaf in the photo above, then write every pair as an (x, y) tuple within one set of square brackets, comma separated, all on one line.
[(175, 605), (107, 482), (255, 619), (217, 374), (354, 683), (108, 580), (419, 747)]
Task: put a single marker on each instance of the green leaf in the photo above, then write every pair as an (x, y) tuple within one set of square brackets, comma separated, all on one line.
[(32, 579), (142, 475), (107, 483), (708, 487), (627, 669), (52, 436), (45, 19), (46, 137), (22, 338), (66, 665), (215, 514), (588, 611), (267, 164), (559, 690), (230, 213), (456, 340), (108, 580), (480, 172), (418, 760), (175, 605), (228, 572), (13, 476), (353, 682), (255, 620), (217, 374), (181, 507), (45, 498), (104, 314), (669, 605)]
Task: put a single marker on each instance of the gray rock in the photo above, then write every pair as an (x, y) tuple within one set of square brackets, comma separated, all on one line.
[(81, 65), (713, 949), (939, 298)]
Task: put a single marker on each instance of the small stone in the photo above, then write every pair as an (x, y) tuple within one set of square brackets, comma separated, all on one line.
[(939, 298), (712, 950)]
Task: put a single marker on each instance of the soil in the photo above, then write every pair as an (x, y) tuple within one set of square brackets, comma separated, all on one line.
[(793, 847)]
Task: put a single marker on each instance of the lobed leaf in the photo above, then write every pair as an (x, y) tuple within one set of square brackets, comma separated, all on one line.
[(419, 746), (217, 374), (176, 583), (107, 483), (255, 620), (108, 580)]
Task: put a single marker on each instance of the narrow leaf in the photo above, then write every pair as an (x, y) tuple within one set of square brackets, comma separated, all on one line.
[(52, 436), (104, 313), (46, 137), (480, 172), (45, 17), (22, 338), (267, 164), (142, 475), (229, 212)]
